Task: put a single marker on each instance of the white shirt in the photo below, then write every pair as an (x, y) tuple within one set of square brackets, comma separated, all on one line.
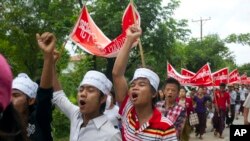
[(243, 93), (247, 105), (113, 115), (232, 97), (97, 129)]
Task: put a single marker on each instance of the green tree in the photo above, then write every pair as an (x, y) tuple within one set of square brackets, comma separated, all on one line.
[(243, 39), (244, 68), (211, 50), (21, 20)]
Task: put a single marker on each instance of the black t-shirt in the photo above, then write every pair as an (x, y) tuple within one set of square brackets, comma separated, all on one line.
[(40, 118)]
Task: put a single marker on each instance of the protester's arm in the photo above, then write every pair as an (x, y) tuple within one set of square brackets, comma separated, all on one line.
[(120, 83), (59, 97), (56, 84), (46, 42)]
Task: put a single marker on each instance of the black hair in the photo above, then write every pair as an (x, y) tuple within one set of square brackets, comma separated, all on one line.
[(222, 85), (11, 125), (103, 106), (182, 87), (171, 80), (153, 91)]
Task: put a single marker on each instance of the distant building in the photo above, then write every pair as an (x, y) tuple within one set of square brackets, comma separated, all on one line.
[(71, 65)]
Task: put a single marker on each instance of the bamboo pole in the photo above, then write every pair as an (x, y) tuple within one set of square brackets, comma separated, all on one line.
[(140, 45)]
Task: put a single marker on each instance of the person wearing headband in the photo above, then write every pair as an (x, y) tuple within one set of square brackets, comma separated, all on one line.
[(87, 121), (140, 119), (33, 101)]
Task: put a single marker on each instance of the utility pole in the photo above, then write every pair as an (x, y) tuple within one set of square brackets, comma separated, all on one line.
[(201, 22)]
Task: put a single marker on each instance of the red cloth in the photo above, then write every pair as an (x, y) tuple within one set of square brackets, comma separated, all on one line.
[(5, 83), (221, 98), (189, 105)]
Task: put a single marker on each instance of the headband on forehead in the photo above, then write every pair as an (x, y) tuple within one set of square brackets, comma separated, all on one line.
[(149, 74), (98, 80), (23, 83)]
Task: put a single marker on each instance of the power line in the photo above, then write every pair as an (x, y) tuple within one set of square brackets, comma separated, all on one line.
[(201, 23)]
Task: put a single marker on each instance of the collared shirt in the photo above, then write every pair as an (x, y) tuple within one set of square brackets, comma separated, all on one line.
[(97, 129), (158, 128), (177, 114)]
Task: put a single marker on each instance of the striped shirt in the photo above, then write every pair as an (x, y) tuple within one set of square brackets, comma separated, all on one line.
[(158, 128), (177, 114)]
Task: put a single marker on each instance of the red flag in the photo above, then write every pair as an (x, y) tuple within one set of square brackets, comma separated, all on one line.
[(234, 77), (220, 76), (128, 17), (113, 47), (186, 72), (92, 40), (203, 77), (243, 78), (173, 73), (87, 35)]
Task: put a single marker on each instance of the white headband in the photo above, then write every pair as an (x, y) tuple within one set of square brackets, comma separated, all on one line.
[(108, 101), (149, 74), (23, 83), (98, 80)]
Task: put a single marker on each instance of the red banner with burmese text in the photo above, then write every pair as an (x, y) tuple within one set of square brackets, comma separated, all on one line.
[(174, 74), (203, 77), (220, 76), (234, 77), (91, 39), (186, 72), (243, 78)]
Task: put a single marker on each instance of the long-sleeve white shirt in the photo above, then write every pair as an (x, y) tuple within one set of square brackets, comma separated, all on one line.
[(97, 129)]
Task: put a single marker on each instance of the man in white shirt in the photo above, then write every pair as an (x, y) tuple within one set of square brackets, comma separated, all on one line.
[(87, 121)]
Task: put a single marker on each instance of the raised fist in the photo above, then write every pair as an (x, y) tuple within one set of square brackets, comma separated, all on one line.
[(46, 41)]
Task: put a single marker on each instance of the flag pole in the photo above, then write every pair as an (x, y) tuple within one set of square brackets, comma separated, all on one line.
[(140, 45)]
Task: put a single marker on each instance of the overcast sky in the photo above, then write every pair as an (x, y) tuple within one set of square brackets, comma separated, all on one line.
[(227, 17)]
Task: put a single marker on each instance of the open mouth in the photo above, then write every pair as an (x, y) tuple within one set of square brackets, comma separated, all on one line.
[(82, 103), (134, 95)]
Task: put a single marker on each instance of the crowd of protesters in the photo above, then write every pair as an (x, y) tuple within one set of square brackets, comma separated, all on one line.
[(138, 110)]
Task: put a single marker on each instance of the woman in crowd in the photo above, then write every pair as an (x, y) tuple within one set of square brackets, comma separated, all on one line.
[(200, 108)]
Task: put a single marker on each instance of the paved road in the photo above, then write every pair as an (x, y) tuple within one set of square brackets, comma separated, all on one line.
[(209, 136)]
